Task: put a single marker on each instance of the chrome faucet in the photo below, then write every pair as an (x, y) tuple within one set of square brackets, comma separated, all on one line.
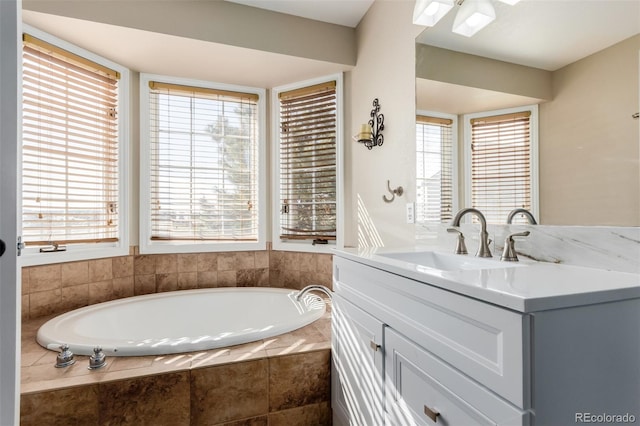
[(483, 248), (313, 287), (526, 213)]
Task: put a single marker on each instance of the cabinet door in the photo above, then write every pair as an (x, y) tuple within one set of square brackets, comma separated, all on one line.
[(357, 365), (422, 390)]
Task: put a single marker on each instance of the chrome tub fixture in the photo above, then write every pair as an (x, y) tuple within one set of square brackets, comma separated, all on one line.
[(483, 248), (65, 357), (526, 213), (314, 287), (98, 359)]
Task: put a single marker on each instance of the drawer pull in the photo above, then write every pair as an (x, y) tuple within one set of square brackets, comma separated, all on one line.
[(374, 345), (432, 414)]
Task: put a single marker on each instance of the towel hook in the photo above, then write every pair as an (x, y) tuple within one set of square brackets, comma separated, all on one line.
[(398, 191)]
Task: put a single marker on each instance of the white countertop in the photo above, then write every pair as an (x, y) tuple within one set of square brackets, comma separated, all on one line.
[(527, 286)]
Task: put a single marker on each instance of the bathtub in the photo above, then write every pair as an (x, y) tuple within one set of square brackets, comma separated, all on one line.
[(181, 321)]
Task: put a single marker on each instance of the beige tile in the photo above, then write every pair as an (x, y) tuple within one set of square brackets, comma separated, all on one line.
[(122, 266), (144, 284), (123, 287), (166, 282), (61, 407), (74, 273), (187, 280), (154, 400), (207, 262), (75, 297), (25, 281), (229, 392), (325, 263), (252, 278), (277, 260), (228, 261), (46, 277), (100, 270), (312, 414), (101, 291), (291, 260), (144, 265), (25, 307), (188, 262), (207, 279), (45, 303), (275, 278), (291, 279), (166, 263), (253, 421), (226, 279), (285, 393), (307, 262), (245, 260), (262, 259)]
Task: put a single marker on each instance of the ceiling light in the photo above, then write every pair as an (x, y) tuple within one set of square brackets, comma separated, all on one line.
[(429, 12), (473, 16), (510, 2)]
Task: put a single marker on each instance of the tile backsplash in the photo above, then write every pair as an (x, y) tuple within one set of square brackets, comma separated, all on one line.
[(61, 287)]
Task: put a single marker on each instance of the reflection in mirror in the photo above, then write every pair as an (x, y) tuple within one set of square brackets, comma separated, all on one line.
[(588, 141)]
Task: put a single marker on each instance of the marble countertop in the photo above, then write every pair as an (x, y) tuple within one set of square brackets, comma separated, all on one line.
[(528, 286)]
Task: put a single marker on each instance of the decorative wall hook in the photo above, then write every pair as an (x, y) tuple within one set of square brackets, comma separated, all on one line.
[(398, 191), (371, 134)]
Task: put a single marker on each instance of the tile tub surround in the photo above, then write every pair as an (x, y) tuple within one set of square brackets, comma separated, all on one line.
[(56, 288), (283, 380), (603, 247)]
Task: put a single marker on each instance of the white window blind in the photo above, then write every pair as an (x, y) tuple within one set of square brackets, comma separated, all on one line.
[(308, 128), (501, 164), (434, 169), (69, 147), (204, 164)]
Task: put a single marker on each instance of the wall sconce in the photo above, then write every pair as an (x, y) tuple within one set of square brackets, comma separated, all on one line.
[(371, 134)]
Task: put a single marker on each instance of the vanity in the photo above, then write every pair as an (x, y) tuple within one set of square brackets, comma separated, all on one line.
[(423, 337)]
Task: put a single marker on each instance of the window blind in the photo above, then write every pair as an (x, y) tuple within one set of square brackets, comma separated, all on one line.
[(501, 164), (434, 155), (69, 147), (204, 164), (308, 120)]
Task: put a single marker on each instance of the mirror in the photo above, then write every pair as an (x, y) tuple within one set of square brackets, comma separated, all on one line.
[(588, 140)]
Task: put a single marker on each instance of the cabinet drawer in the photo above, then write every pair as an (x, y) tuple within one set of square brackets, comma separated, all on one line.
[(486, 342), (422, 390)]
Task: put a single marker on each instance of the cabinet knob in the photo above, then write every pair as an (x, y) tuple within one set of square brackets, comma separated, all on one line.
[(374, 345), (432, 414)]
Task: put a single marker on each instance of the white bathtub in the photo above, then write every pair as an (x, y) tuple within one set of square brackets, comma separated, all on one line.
[(181, 321)]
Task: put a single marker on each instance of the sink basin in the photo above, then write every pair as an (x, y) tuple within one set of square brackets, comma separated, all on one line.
[(446, 261)]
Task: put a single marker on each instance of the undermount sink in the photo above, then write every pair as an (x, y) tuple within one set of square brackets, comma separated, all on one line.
[(446, 261)]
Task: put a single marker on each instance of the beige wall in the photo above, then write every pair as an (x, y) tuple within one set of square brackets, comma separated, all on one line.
[(385, 69), (434, 63), (589, 156)]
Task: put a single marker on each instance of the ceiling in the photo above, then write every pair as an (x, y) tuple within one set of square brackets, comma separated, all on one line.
[(341, 12), (546, 34)]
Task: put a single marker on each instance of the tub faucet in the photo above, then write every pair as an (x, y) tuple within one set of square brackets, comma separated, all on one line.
[(483, 248), (526, 213), (65, 357), (313, 287)]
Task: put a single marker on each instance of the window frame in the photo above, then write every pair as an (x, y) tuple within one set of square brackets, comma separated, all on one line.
[(533, 151), (455, 190), (148, 246), (306, 245), (31, 255)]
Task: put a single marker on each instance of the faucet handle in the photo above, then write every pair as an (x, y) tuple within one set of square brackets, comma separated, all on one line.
[(461, 247), (65, 358), (509, 253)]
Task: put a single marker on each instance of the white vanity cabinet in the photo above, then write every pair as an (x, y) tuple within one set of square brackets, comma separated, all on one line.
[(409, 353)]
